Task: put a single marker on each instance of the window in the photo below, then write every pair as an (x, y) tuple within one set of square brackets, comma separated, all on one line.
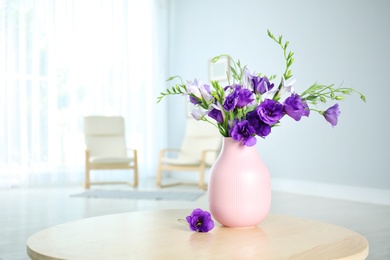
[(62, 60)]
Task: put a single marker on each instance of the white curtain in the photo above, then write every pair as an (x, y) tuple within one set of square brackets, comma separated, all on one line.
[(63, 59)]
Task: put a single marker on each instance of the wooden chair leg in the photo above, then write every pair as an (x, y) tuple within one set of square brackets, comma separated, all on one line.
[(87, 183), (135, 169), (135, 182), (159, 169), (159, 176), (201, 179)]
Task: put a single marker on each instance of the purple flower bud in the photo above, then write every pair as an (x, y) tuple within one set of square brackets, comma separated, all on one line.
[(331, 114), (295, 107), (200, 221)]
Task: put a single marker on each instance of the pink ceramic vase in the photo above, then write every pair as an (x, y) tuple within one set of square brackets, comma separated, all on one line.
[(239, 186)]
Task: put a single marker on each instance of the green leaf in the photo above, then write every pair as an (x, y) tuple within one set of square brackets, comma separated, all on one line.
[(272, 77), (270, 34), (311, 97), (290, 61), (234, 72)]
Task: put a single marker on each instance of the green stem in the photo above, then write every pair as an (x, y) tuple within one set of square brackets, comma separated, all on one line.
[(182, 221), (316, 110)]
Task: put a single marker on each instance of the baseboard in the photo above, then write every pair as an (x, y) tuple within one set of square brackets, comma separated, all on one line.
[(335, 191)]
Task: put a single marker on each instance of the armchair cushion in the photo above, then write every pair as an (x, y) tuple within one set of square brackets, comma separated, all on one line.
[(181, 161), (110, 160)]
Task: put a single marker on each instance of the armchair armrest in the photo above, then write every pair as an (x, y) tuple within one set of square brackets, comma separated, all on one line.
[(134, 151), (205, 152), (164, 151)]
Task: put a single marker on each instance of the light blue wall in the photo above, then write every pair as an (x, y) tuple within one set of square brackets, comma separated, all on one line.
[(334, 42)]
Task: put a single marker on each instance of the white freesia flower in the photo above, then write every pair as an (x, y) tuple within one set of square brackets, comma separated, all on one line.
[(205, 92), (199, 90), (287, 87), (193, 89), (198, 114)]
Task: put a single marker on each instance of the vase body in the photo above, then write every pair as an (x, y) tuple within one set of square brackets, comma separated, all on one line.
[(239, 186)]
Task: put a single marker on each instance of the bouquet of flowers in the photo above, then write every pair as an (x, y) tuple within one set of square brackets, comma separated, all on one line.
[(252, 104)]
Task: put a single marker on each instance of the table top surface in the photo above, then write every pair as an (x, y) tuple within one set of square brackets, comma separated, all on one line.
[(159, 235)]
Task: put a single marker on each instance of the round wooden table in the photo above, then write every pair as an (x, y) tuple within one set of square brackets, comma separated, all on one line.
[(159, 235)]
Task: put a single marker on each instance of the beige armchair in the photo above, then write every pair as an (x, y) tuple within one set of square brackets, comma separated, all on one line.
[(106, 148), (200, 148)]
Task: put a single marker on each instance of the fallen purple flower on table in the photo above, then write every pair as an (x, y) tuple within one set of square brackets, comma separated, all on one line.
[(200, 221)]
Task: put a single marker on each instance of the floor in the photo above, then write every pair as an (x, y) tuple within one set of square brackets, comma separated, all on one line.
[(25, 211)]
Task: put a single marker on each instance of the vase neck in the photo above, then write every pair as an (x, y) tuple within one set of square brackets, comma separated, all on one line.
[(238, 152), (230, 143)]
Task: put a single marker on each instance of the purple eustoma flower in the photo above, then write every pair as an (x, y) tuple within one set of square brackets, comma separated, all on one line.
[(231, 101), (244, 97), (244, 132), (216, 114), (331, 114), (240, 97), (270, 111), (200, 221), (261, 128), (295, 107), (261, 84)]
